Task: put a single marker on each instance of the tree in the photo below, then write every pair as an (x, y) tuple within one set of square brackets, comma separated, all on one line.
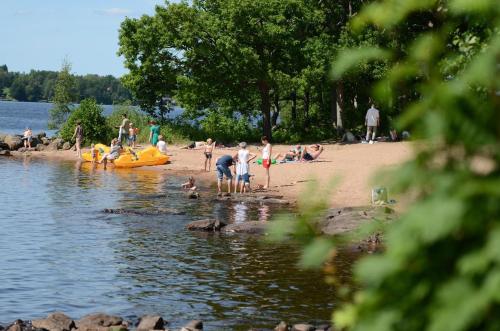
[(64, 96), (440, 269), (94, 124)]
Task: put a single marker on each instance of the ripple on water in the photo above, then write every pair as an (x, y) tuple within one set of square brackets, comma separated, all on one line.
[(59, 251)]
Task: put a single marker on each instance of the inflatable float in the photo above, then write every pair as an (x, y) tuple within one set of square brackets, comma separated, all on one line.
[(128, 158), (259, 161)]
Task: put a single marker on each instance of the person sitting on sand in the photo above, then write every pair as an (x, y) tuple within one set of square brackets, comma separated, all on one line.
[(113, 154), (312, 152), (243, 158), (190, 184), (208, 152), (292, 155), (223, 165), (161, 145), (27, 137)]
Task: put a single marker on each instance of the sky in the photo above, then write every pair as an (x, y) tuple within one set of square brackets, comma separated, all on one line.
[(39, 34)]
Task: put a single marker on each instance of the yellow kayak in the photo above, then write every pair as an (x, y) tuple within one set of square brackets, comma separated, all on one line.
[(129, 159)]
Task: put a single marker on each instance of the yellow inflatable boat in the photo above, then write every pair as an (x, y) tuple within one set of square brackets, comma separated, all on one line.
[(128, 158)]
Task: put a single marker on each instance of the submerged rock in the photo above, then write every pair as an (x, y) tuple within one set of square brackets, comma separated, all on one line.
[(150, 322), (207, 225), (4, 152), (251, 227), (303, 327), (55, 322), (283, 326), (143, 212)]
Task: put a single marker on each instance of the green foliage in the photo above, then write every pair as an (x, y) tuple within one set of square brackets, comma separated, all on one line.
[(440, 269), (228, 129), (64, 95), (95, 125)]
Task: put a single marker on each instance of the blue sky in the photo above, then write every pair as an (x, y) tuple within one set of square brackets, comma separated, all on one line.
[(39, 34)]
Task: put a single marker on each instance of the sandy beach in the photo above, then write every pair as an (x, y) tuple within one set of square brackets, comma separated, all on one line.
[(354, 166)]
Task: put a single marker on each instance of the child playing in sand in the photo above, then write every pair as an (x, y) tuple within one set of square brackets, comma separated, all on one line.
[(190, 184), (208, 151)]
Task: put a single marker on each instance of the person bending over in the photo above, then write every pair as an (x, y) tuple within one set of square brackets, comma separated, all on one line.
[(223, 165)]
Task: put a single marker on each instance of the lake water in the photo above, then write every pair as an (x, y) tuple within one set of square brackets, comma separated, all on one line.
[(60, 252), (16, 116)]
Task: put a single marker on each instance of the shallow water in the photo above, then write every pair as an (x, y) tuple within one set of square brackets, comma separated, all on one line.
[(59, 251)]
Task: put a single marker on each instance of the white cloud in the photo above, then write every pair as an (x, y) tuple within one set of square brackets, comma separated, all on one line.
[(113, 11)]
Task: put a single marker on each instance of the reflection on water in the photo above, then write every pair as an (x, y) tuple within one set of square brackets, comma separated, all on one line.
[(59, 251)]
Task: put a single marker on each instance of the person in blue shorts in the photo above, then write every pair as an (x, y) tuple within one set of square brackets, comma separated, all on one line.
[(223, 165)]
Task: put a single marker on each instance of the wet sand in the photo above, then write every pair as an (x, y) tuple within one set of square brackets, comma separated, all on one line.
[(355, 167)]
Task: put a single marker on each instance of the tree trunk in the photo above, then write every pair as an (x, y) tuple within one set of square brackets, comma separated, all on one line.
[(277, 109), (307, 101), (340, 105), (265, 108), (333, 104), (294, 107)]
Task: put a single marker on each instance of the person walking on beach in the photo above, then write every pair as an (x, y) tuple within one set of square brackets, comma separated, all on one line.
[(27, 137), (123, 128), (78, 136), (372, 121), (266, 159), (154, 133), (208, 152), (223, 165), (243, 157)]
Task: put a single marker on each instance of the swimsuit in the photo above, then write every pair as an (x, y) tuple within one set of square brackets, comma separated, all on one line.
[(308, 157), (265, 157), (208, 155)]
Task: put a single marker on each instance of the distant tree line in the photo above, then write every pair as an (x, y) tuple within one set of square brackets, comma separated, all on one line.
[(39, 85)]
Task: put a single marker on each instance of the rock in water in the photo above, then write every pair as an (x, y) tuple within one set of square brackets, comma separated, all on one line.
[(303, 327), (253, 227), (45, 141), (55, 322), (194, 325), (283, 326), (4, 145), (207, 225), (150, 322)]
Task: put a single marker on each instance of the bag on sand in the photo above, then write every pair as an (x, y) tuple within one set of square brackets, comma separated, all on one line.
[(379, 196)]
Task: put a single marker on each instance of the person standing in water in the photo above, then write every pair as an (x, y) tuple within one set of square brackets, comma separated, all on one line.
[(244, 157), (154, 133), (223, 166), (78, 136), (266, 159)]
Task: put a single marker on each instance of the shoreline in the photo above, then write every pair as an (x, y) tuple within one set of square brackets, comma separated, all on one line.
[(353, 167)]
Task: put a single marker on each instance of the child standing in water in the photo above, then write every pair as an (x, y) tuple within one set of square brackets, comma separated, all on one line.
[(208, 152), (242, 168), (93, 153), (266, 159)]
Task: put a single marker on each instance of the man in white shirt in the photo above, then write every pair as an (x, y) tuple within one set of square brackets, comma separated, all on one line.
[(372, 121)]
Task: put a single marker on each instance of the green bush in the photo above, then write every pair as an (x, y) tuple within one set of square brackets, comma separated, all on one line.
[(95, 126), (226, 129)]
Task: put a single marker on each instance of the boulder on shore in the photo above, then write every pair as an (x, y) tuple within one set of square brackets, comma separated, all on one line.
[(40, 147), (14, 142), (98, 322), (4, 152), (150, 322), (55, 144), (55, 322), (45, 141), (66, 146), (207, 225), (303, 327)]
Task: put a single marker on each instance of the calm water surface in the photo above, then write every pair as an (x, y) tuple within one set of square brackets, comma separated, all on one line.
[(60, 251)]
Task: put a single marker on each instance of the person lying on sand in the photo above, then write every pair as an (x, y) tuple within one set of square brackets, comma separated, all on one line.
[(190, 184), (292, 155), (312, 152)]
